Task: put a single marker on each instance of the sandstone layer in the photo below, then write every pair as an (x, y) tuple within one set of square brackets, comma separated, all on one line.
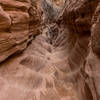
[(17, 25), (63, 62)]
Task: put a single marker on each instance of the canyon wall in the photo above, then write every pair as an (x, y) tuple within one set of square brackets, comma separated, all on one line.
[(82, 19), (19, 23), (63, 62)]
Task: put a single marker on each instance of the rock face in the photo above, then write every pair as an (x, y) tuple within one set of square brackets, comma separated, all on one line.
[(35, 74), (17, 26), (83, 47), (93, 60), (62, 63)]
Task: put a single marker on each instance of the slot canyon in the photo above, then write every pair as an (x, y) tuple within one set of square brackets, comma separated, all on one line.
[(49, 49)]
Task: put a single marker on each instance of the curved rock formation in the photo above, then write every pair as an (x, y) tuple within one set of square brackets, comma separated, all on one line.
[(62, 63), (77, 17), (16, 26)]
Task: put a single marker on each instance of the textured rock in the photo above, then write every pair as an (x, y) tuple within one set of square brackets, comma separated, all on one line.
[(59, 2), (15, 28), (77, 17), (96, 32), (62, 63), (5, 21), (93, 60), (34, 75)]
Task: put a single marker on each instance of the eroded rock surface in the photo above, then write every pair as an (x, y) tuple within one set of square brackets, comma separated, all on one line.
[(16, 26), (62, 63), (84, 48)]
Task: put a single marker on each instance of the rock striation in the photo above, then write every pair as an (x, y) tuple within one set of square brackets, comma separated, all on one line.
[(63, 62), (83, 47), (19, 23)]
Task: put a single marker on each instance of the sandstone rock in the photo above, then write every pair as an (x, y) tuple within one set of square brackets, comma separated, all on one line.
[(31, 76), (93, 60), (62, 63), (15, 31), (15, 5), (95, 42), (77, 17), (5, 20), (95, 37)]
